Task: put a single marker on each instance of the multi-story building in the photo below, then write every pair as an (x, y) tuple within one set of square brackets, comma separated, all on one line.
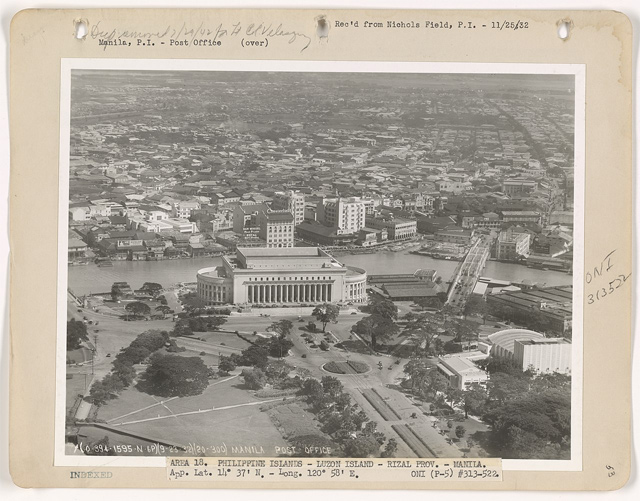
[(183, 210), (291, 201), (276, 228), (345, 215), (518, 186), (512, 246), (294, 275), (245, 219), (397, 228), (455, 235), (461, 372), (489, 220), (450, 186), (520, 216)]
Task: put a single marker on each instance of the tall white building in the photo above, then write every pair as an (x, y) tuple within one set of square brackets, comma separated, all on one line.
[(183, 210), (291, 201), (544, 355), (345, 215), (276, 228)]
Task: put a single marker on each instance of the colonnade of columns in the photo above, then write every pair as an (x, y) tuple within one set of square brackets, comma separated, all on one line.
[(289, 293)]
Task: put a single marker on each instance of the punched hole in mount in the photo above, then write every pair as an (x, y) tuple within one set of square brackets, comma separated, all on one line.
[(81, 29), (564, 29), (322, 29)]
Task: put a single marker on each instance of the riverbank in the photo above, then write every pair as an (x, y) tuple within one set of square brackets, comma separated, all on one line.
[(91, 278)]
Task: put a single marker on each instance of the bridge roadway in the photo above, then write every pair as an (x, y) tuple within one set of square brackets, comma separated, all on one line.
[(468, 272)]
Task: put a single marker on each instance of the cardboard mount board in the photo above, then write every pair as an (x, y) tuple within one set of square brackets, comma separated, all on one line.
[(431, 72)]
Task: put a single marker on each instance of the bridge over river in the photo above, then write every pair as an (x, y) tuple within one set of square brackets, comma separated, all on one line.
[(467, 273)]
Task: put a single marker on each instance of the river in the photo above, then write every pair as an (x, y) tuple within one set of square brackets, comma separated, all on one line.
[(91, 278)]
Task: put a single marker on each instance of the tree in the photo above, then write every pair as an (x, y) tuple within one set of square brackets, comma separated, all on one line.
[(376, 328), (76, 334), (362, 447), (255, 356), (390, 449), (283, 328), (226, 365), (417, 370), (116, 292), (429, 302), (476, 305), (164, 309), (138, 309), (474, 398), (453, 395), (313, 389), (106, 389), (384, 308), (152, 288), (326, 313), (447, 311), (132, 355), (331, 386), (152, 340), (463, 330), (279, 345), (216, 321), (182, 328), (254, 379), (438, 347), (460, 431), (125, 372), (425, 329), (175, 376)]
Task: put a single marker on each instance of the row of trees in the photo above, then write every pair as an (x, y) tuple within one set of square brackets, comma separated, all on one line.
[(345, 421), (187, 326)]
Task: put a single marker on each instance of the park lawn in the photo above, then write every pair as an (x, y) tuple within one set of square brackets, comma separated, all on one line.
[(242, 426), (219, 393), (131, 400), (239, 427), (75, 387), (207, 358), (222, 338), (78, 356)]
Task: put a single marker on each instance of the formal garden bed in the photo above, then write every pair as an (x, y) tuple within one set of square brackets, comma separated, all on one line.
[(348, 367)]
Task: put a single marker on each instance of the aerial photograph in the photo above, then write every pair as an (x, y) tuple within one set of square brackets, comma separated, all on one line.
[(310, 264)]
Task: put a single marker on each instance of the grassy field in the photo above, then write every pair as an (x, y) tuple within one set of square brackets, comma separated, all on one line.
[(75, 387), (222, 338), (243, 426)]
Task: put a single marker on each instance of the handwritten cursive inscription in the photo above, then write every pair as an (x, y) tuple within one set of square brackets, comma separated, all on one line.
[(188, 35)]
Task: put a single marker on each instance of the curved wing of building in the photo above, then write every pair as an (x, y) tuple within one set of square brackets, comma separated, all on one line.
[(504, 341), (532, 350)]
